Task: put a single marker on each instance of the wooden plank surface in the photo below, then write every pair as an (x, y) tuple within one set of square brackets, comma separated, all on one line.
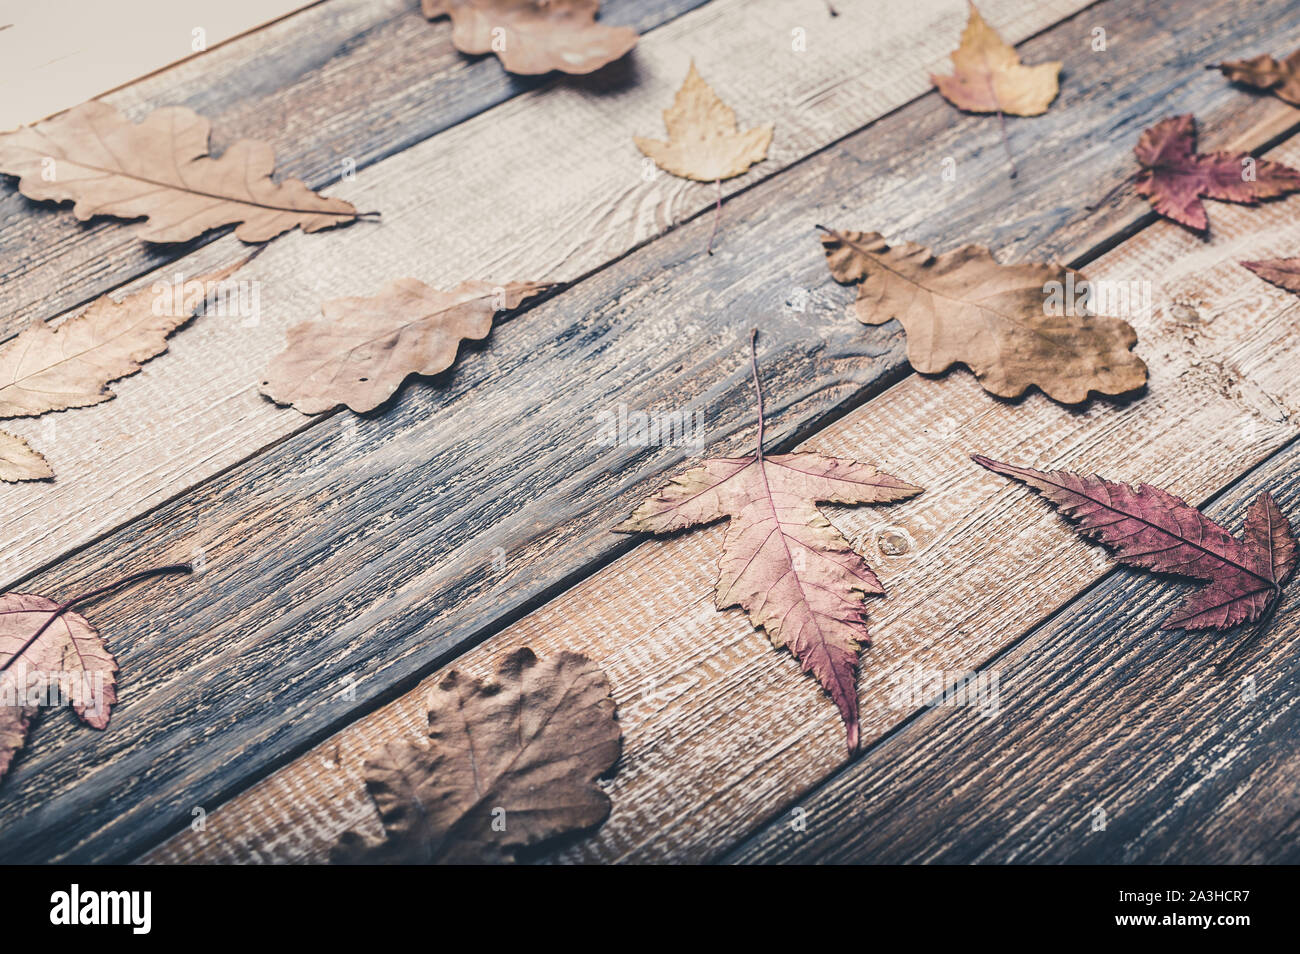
[(721, 732), (346, 81), (1114, 742), (468, 203), (58, 53), (352, 592)]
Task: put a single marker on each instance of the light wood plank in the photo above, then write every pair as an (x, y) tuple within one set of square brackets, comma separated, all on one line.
[(333, 89), (375, 539), (720, 731), (1115, 742)]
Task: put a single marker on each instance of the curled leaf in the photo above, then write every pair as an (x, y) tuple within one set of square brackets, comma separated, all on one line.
[(534, 36), (962, 307), (509, 764), (1279, 77), (56, 367), (160, 170), (366, 347)]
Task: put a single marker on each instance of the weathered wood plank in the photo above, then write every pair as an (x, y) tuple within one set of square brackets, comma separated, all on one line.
[(721, 732), (58, 53), (1114, 742), (344, 82), (350, 593)]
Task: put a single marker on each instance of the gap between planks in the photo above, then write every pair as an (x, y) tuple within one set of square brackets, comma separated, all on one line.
[(719, 729)]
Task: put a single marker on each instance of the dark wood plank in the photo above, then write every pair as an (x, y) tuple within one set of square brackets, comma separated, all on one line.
[(1115, 742), (363, 550), (346, 79)]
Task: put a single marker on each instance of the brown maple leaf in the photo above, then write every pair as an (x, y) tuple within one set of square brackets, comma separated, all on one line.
[(1175, 177), (1282, 272), (51, 656), (160, 170), (988, 76), (782, 560), (1001, 321), (534, 36), (1280, 77), (509, 765), (704, 142), (1148, 527), (53, 368), (366, 347)]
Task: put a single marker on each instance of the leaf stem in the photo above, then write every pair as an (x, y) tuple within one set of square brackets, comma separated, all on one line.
[(717, 217), (758, 387), (91, 594)]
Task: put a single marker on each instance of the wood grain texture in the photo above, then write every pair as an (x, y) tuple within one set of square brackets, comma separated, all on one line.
[(58, 53), (1113, 742), (471, 204), (345, 81), (722, 732), (306, 580)]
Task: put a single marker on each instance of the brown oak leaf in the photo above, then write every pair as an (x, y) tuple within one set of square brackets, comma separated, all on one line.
[(1148, 527), (50, 655), (509, 764), (1280, 77), (782, 560), (704, 142), (534, 36), (988, 76), (1004, 322), (366, 347), (53, 368), (160, 170), (1282, 272), (1174, 176)]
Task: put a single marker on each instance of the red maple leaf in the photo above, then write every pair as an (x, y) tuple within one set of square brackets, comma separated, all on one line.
[(1175, 177), (782, 560), (1148, 527)]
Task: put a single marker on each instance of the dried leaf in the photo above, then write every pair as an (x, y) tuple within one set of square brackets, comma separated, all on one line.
[(534, 36), (50, 655), (962, 307), (782, 560), (53, 368), (19, 462), (160, 170), (1147, 527), (704, 142), (366, 347), (1280, 77), (69, 655), (1282, 272), (1175, 177), (988, 76), (509, 764)]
